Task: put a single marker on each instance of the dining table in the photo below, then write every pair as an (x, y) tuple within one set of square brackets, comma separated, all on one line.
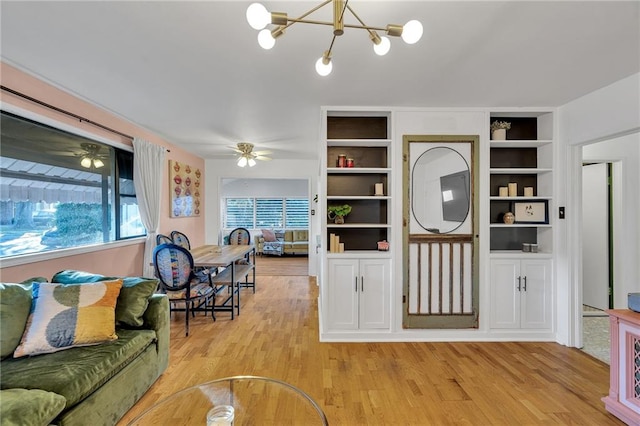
[(234, 263)]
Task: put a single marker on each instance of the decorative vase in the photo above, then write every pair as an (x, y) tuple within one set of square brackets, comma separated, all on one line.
[(499, 135), (508, 218), (339, 220)]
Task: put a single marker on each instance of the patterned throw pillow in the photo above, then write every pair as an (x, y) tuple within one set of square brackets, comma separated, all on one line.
[(65, 316)]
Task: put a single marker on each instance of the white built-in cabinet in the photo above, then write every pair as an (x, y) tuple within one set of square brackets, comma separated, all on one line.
[(521, 293), (356, 157), (359, 291)]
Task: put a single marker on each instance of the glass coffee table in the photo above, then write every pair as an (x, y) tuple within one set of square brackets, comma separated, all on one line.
[(238, 400)]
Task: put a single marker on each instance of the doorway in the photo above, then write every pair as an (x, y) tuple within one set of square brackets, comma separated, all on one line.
[(597, 257), (283, 205)]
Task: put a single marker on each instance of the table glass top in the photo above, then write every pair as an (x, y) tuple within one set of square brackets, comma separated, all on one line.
[(255, 401)]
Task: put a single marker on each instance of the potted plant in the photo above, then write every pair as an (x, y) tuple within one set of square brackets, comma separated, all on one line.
[(337, 213), (499, 130)]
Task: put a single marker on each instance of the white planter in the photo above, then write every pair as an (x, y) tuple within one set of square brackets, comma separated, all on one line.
[(499, 135)]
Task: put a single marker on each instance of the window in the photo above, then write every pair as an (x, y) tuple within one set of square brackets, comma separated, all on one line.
[(269, 213), (257, 213), (239, 213), (297, 213), (60, 190)]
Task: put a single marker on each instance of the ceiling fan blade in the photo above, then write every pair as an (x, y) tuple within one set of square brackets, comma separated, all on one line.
[(262, 157), (234, 148), (262, 152)]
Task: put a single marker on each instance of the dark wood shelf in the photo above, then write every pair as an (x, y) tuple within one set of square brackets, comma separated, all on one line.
[(351, 127), (522, 128), (371, 157), (359, 238)]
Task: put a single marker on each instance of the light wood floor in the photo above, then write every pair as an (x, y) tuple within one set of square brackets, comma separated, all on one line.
[(276, 336), (282, 265)]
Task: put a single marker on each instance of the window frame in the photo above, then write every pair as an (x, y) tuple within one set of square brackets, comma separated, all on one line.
[(27, 258)]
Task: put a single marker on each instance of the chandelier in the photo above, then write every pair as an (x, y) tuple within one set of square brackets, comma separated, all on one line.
[(259, 18)]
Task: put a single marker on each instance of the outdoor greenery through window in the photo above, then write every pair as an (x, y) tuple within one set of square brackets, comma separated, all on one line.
[(270, 213), (60, 190)]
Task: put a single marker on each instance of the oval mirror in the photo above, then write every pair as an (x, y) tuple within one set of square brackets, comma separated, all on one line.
[(441, 197)]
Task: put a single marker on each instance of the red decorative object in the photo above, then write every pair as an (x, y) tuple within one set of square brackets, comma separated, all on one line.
[(350, 162), (342, 160)]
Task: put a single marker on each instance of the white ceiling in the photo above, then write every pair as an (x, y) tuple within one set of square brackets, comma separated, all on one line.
[(193, 72)]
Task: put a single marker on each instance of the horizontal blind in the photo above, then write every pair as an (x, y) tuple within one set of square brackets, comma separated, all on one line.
[(239, 213), (297, 213), (269, 212)]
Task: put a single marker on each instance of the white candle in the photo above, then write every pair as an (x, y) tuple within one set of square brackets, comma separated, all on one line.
[(379, 189), (513, 189)]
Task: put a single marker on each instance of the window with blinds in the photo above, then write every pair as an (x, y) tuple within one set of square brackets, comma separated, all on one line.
[(297, 213), (270, 213), (239, 213)]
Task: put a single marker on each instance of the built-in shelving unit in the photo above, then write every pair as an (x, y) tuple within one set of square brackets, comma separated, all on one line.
[(363, 139), (526, 159), (355, 295)]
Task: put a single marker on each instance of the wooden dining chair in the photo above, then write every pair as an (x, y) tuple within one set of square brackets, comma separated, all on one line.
[(175, 270)]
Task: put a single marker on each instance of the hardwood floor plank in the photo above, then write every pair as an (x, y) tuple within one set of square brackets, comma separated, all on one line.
[(413, 383)]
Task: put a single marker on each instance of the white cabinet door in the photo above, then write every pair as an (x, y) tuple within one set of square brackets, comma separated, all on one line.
[(374, 289), (521, 293), (343, 294), (536, 293), (505, 294)]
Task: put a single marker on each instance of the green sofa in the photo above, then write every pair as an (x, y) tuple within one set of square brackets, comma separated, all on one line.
[(85, 385)]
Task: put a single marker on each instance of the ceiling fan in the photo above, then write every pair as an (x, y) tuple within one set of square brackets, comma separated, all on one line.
[(247, 156), (90, 154)]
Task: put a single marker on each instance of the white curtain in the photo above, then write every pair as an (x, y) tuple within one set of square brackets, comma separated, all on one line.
[(148, 161)]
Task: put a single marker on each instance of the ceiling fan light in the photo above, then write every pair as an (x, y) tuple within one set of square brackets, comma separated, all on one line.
[(266, 40), (97, 163), (85, 162), (412, 32), (382, 47), (251, 162), (242, 161), (258, 16)]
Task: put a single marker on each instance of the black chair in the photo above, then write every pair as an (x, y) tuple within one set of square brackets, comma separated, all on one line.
[(175, 270), (163, 239), (180, 239)]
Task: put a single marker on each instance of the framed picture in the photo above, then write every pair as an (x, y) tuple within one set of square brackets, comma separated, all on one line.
[(184, 189), (530, 211)]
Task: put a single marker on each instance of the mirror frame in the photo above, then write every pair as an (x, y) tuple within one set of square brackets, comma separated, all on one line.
[(420, 218)]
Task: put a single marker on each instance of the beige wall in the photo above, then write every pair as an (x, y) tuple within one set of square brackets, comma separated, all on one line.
[(122, 259)]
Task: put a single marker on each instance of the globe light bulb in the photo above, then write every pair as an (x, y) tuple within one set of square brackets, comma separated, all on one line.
[(322, 68), (383, 47), (258, 16), (242, 161), (266, 40), (97, 163), (412, 32), (251, 162)]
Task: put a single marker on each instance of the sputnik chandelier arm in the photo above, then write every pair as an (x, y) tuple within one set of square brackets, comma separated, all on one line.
[(259, 18)]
